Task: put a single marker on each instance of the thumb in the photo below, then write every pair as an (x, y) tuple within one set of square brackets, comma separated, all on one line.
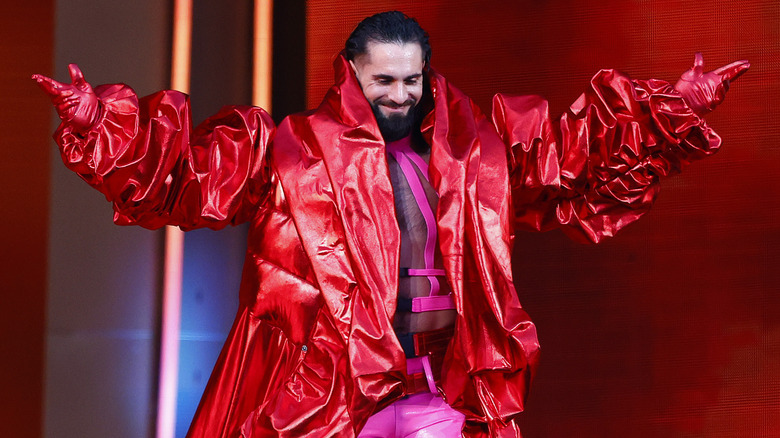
[(698, 63), (698, 59), (732, 71), (76, 77), (695, 71)]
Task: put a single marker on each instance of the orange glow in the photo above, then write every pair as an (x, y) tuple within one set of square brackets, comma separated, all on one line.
[(169, 336), (174, 246), (262, 56), (182, 45)]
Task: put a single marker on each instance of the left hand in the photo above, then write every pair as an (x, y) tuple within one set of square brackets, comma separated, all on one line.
[(704, 91), (76, 103)]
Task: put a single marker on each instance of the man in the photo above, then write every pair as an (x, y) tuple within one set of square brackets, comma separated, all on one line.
[(377, 296)]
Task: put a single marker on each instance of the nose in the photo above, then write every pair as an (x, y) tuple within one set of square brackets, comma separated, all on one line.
[(398, 93)]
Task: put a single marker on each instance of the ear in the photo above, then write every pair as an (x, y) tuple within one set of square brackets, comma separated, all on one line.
[(354, 67)]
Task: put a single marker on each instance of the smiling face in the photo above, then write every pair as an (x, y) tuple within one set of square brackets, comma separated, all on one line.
[(391, 76)]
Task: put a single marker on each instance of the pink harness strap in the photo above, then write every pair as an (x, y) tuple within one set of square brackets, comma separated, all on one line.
[(425, 272), (407, 159)]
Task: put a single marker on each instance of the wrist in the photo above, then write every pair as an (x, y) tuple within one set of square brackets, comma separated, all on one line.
[(84, 122)]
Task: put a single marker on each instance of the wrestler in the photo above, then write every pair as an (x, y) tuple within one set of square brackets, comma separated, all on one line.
[(377, 296)]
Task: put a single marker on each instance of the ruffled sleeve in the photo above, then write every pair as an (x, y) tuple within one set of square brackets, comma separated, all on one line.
[(595, 169), (144, 156)]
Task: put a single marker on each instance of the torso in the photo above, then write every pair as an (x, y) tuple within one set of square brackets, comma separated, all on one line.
[(413, 238)]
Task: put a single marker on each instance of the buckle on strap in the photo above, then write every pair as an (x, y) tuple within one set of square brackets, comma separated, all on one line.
[(412, 272), (425, 304), (430, 303)]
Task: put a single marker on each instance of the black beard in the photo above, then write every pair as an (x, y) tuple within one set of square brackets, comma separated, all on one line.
[(396, 126)]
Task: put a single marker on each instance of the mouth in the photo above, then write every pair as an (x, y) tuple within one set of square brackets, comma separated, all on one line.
[(396, 109), (390, 107)]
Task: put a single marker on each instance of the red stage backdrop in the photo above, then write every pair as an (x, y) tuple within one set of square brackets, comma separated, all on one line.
[(670, 329), (26, 45)]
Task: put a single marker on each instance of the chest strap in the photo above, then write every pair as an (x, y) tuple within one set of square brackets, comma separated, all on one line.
[(407, 159)]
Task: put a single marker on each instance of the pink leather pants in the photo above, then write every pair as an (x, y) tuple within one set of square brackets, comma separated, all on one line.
[(419, 415)]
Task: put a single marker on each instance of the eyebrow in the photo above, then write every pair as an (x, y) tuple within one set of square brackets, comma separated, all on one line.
[(391, 78)]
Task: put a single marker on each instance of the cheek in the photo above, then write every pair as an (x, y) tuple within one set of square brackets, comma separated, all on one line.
[(373, 93), (416, 92)]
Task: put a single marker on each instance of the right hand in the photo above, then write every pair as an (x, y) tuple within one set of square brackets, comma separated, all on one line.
[(704, 91), (76, 103)]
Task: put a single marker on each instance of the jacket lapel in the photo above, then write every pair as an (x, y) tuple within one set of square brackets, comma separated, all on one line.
[(451, 146)]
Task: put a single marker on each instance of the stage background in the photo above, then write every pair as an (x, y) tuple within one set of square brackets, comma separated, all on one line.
[(671, 329)]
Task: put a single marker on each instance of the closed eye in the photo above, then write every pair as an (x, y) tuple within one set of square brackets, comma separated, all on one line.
[(413, 80), (384, 79)]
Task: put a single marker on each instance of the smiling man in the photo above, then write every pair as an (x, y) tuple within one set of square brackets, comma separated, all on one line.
[(391, 76), (388, 53), (377, 298)]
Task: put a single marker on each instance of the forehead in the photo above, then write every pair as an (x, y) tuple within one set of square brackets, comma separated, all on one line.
[(391, 58)]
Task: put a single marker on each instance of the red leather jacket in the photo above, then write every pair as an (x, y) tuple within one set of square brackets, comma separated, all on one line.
[(312, 351)]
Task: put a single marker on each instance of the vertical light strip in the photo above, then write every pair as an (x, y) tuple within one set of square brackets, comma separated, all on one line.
[(263, 52), (174, 246), (182, 45)]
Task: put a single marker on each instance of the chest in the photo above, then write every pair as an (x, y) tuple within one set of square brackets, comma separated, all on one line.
[(411, 210)]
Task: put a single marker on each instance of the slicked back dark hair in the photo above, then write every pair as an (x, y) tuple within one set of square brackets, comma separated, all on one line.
[(387, 27)]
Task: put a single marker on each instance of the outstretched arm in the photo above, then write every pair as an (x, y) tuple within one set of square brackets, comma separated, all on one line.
[(596, 168), (144, 155)]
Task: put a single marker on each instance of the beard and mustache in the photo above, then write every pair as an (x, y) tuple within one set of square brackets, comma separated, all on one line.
[(396, 126)]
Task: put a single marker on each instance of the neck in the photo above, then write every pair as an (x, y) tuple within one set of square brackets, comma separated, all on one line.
[(400, 144)]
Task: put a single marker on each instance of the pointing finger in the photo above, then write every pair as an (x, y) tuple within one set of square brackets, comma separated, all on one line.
[(48, 85), (732, 71)]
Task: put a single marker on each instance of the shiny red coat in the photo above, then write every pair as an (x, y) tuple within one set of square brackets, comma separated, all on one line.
[(312, 351)]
